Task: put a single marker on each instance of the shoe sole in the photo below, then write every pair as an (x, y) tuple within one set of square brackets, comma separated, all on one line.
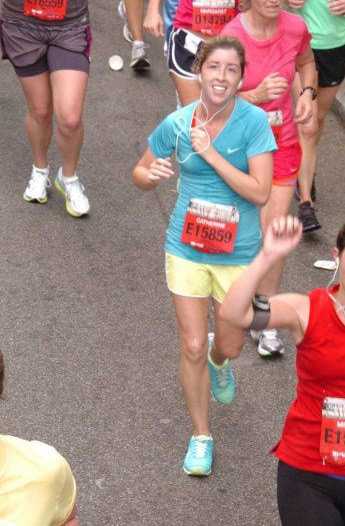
[(69, 209), (42, 201), (268, 354), (140, 65), (197, 473)]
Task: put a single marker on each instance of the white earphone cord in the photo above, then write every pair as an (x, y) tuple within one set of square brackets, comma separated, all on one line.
[(202, 125), (339, 306)]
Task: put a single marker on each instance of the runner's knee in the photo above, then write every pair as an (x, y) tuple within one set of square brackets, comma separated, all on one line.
[(69, 123), (41, 114), (194, 348)]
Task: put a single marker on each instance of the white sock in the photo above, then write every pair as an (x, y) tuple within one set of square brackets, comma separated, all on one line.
[(68, 180), (44, 171), (138, 43)]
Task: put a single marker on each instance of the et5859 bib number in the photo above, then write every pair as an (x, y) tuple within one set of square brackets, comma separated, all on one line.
[(210, 228)]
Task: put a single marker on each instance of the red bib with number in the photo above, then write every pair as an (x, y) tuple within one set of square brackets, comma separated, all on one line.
[(275, 119), (332, 442), (206, 230), (46, 9), (210, 16)]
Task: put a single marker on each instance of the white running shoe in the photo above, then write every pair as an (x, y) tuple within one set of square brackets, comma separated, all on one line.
[(139, 59), (36, 189), (269, 342), (77, 204)]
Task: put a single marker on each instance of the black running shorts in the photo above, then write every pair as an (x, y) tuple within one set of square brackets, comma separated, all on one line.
[(330, 64)]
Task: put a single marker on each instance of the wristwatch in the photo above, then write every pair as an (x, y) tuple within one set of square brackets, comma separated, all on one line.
[(313, 91)]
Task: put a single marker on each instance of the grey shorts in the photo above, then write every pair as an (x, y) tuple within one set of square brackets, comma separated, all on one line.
[(34, 49)]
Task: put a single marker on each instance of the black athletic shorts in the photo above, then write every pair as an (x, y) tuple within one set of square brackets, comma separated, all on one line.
[(309, 499), (182, 48), (330, 64)]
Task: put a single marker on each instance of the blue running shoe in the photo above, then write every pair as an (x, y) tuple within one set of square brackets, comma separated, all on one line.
[(223, 385), (199, 456)]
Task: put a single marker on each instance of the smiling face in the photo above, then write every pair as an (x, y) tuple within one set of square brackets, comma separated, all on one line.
[(220, 76), (266, 8)]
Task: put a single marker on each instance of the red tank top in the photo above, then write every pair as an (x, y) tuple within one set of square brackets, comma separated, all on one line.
[(320, 365)]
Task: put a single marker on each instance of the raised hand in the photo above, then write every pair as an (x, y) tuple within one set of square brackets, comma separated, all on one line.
[(160, 169), (282, 237)]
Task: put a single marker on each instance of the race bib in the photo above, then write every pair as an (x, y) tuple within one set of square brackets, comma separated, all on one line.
[(209, 227), (275, 119), (332, 442), (210, 16), (46, 9)]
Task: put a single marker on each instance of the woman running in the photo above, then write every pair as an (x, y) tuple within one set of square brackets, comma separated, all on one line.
[(311, 452), (326, 23), (48, 44), (222, 144), (195, 21), (277, 44)]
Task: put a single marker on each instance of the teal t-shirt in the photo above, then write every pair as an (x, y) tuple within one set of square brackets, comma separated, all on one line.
[(245, 134), (328, 31)]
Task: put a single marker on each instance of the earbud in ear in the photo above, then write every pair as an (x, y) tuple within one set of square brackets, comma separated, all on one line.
[(199, 77), (240, 84), (337, 262)]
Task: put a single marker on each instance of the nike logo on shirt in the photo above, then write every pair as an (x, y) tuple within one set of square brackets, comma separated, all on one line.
[(233, 150)]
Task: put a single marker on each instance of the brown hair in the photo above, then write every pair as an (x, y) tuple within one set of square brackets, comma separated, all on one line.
[(341, 239), (2, 373), (207, 47)]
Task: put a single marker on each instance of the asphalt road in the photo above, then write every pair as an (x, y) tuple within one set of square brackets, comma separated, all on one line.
[(88, 329)]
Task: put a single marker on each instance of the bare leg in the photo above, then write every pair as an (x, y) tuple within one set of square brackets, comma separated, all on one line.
[(192, 319), (188, 90), (135, 17), (69, 89), (310, 137), (228, 340), (38, 97), (277, 205)]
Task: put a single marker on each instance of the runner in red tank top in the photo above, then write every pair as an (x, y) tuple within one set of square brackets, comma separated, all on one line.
[(311, 452)]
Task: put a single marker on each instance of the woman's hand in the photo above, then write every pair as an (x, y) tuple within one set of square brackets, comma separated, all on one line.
[(160, 169), (282, 237), (201, 141), (304, 108), (336, 7), (153, 23), (271, 88)]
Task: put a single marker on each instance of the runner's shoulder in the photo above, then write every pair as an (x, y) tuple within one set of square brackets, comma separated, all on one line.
[(293, 23)]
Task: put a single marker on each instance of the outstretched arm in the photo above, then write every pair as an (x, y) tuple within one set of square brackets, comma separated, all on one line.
[(287, 310)]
